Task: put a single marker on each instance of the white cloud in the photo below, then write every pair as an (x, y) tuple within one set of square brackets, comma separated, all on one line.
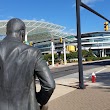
[(42, 19), (10, 17), (88, 2)]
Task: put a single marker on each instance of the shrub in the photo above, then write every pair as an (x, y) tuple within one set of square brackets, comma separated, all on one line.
[(88, 55)]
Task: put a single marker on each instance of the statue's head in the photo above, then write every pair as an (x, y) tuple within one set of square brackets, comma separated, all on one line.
[(16, 28)]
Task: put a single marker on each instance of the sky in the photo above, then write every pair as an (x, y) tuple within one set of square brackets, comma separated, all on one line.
[(61, 12)]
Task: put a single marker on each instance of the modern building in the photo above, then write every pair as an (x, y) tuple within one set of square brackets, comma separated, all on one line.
[(43, 34), (98, 42), (45, 45), (37, 30), (46, 35)]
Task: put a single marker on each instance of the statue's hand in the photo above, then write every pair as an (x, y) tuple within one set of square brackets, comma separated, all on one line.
[(44, 107)]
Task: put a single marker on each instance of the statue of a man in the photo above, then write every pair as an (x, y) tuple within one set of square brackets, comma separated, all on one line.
[(19, 65)]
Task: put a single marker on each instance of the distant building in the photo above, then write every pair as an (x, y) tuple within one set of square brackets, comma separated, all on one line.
[(98, 42), (42, 33)]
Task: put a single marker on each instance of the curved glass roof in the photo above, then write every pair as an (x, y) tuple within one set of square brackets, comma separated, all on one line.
[(33, 26), (38, 30)]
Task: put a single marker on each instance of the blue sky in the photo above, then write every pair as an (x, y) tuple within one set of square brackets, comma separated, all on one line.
[(62, 12)]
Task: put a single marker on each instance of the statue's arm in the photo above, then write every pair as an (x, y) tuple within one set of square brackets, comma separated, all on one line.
[(46, 80)]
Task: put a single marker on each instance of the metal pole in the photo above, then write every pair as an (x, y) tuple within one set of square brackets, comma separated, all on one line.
[(103, 53), (26, 36), (64, 52), (93, 11), (80, 66), (52, 45)]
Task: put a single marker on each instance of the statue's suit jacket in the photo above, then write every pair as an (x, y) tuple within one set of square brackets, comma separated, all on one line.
[(19, 64)]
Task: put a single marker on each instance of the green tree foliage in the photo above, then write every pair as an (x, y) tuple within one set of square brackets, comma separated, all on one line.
[(70, 55), (47, 57), (88, 53)]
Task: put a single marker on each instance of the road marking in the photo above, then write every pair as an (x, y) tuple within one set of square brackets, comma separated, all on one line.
[(100, 70)]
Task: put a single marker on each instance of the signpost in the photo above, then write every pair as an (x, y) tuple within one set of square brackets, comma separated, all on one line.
[(78, 4), (80, 66)]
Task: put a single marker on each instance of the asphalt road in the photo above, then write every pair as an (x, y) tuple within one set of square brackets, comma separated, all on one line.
[(63, 71)]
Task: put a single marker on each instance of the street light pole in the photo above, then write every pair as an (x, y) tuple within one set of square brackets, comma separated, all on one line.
[(26, 36), (64, 51), (52, 47), (80, 66)]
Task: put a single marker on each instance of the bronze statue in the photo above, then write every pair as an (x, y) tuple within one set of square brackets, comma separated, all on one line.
[(19, 65)]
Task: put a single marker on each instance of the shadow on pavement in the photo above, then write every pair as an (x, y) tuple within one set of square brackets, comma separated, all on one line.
[(99, 63), (103, 78)]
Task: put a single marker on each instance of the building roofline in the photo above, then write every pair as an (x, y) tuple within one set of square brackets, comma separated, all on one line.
[(88, 34), (95, 32)]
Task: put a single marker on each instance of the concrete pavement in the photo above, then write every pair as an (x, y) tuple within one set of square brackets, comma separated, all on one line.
[(87, 99), (70, 83), (96, 96)]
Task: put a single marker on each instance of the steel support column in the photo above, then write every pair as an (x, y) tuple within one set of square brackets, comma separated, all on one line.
[(80, 66), (52, 45), (26, 36), (64, 51)]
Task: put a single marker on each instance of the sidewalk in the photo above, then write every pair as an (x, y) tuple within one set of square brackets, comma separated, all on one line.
[(60, 66), (96, 96), (87, 99)]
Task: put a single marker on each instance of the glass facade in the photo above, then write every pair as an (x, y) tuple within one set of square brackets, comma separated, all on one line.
[(99, 42)]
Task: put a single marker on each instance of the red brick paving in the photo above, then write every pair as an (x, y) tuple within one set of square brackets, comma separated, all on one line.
[(87, 99)]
